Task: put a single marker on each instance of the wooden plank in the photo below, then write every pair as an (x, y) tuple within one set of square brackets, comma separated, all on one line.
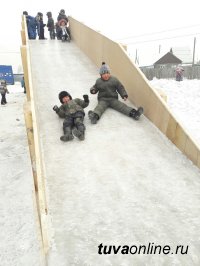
[(32, 127), (198, 159), (25, 69), (171, 128), (191, 150), (23, 37), (180, 138), (30, 137), (41, 194)]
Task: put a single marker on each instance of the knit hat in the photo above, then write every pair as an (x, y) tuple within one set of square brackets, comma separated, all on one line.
[(104, 69), (63, 94), (49, 14), (62, 11), (3, 81), (40, 14)]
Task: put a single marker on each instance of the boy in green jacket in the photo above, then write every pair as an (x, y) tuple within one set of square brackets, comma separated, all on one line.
[(73, 114), (108, 87)]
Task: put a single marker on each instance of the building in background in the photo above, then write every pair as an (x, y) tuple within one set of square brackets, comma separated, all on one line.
[(6, 73), (167, 60)]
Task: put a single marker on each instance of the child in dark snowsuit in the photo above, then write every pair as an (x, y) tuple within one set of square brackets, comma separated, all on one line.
[(51, 26), (62, 16), (108, 88), (41, 26), (73, 114), (23, 84), (3, 91)]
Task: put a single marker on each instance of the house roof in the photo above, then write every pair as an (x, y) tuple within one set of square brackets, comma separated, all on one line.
[(168, 58)]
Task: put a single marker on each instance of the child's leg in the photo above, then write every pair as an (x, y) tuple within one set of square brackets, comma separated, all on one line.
[(3, 99), (127, 110), (67, 129), (79, 129), (101, 107), (52, 34), (95, 115), (68, 32), (120, 107)]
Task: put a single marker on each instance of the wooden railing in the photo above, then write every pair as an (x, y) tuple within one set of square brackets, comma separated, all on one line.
[(32, 129)]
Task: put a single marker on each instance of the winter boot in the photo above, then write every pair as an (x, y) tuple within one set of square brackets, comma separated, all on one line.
[(93, 117), (135, 114), (67, 134), (79, 131)]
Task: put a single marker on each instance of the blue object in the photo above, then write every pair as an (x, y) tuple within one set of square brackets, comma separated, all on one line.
[(6, 73)]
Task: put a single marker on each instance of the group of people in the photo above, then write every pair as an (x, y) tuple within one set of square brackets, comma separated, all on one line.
[(36, 25), (72, 110)]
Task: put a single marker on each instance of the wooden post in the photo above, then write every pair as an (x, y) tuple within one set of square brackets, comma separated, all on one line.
[(25, 69), (40, 179), (194, 51), (31, 143), (124, 46), (24, 31), (34, 144), (23, 37), (36, 201)]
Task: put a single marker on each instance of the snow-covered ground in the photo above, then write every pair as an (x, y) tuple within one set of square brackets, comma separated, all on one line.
[(20, 244), (19, 235), (184, 100)]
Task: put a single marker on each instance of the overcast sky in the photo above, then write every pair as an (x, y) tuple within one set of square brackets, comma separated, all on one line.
[(121, 20)]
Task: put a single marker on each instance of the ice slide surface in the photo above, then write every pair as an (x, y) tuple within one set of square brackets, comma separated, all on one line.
[(126, 184)]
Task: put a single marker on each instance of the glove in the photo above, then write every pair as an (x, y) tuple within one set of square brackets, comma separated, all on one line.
[(92, 91), (86, 98), (55, 108)]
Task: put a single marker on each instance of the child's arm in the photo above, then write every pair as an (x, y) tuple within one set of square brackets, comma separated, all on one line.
[(86, 99), (94, 90), (82, 103), (59, 111), (121, 90)]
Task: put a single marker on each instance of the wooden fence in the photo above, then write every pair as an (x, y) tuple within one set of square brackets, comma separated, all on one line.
[(190, 72)]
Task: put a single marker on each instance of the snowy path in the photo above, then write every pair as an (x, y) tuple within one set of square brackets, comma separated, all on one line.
[(126, 184)]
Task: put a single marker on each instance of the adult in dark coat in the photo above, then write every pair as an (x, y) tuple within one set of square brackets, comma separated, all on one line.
[(33, 26), (41, 26), (108, 87), (50, 25)]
